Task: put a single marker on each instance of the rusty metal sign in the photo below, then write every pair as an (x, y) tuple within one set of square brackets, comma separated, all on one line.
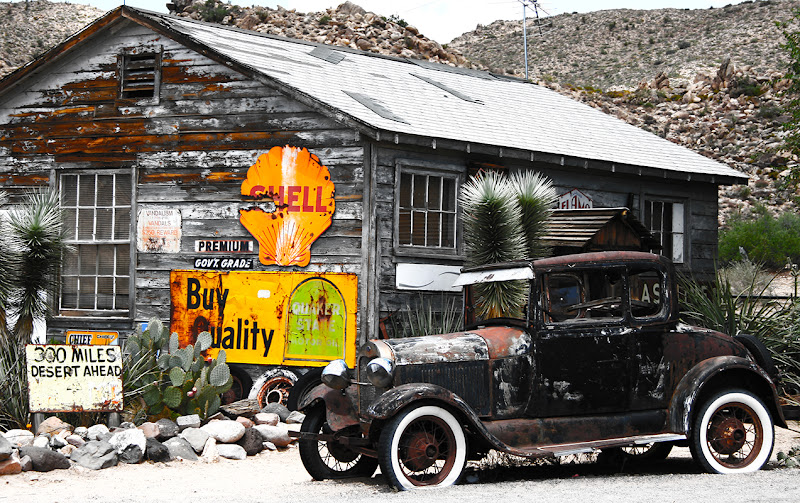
[(158, 230), (268, 318), (65, 378), (301, 189), (92, 337)]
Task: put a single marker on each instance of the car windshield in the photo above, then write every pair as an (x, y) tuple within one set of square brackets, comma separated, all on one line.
[(583, 296)]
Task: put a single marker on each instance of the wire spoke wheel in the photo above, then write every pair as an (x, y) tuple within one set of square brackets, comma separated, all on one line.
[(733, 433), (422, 446), (331, 460), (427, 451)]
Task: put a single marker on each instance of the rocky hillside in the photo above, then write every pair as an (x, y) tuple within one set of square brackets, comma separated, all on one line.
[(31, 27), (346, 25), (707, 79), (620, 48)]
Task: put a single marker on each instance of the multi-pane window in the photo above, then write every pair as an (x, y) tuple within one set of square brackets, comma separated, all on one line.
[(427, 210), (666, 221), (97, 218)]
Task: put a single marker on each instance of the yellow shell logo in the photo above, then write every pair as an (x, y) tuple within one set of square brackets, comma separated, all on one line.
[(302, 190)]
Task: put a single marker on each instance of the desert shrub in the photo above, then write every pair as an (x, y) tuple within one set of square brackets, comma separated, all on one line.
[(766, 239), (212, 12), (428, 314), (745, 310), (746, 276), (745, 86), (394, 18)]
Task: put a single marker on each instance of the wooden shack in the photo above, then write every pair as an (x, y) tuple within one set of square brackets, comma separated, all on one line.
[(149, 125), (598, 229)]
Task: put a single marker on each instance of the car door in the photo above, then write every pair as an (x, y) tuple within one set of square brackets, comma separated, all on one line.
[(650, 303), (583, 344)]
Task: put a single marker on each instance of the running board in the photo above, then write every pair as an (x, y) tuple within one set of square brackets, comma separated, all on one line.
[(597, 445)]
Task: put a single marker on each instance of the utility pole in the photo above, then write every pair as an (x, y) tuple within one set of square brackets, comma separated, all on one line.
[(525, 4), (536, 9)]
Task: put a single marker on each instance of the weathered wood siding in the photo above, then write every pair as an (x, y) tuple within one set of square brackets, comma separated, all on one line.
[(190, 150), (606, 188)]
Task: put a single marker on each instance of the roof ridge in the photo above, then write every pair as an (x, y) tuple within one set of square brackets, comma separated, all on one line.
[(419, 62)]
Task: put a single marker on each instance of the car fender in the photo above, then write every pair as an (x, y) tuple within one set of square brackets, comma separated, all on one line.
[(695, 381), (395, 399), (339, 409)]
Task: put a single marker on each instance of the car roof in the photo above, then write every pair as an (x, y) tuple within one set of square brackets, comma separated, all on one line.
[(524, 269)]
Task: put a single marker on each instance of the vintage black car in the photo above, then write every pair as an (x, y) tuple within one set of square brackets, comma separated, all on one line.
[(599, 362)]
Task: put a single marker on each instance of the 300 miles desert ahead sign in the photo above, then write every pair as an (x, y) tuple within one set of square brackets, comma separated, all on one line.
[(65, 378)]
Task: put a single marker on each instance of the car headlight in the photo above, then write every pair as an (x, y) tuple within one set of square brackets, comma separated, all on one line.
[(380, 372), (336, 375)]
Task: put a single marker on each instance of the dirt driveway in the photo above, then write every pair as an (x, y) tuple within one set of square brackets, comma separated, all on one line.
[(280, 477)]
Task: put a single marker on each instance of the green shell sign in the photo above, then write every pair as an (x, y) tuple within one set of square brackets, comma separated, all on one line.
[(316, 322)]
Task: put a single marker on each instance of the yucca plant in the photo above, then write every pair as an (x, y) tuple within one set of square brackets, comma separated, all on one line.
[(493, 233), (504, 220), (746, 311), (31, 237), (536, 198), (721, 308)]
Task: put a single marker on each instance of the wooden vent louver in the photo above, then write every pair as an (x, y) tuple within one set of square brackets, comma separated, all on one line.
[(139, 75)]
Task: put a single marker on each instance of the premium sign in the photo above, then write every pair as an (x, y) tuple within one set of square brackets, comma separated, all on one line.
[(74, 378), (302, 191), (268, 318), (223, 246)]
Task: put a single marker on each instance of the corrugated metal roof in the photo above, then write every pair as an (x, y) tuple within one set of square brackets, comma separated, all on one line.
[(424, 99)]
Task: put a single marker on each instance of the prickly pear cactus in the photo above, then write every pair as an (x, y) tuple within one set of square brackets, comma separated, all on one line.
[(174, 381)]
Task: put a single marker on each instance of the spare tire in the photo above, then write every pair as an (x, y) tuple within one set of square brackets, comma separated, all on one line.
[(760, 353), (304, 384)]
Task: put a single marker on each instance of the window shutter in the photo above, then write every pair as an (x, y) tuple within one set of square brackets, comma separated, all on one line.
[(140, 75)]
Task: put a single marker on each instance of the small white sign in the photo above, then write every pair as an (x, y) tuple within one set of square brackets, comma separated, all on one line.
[(158, 230), (574, 200), (427, 277)]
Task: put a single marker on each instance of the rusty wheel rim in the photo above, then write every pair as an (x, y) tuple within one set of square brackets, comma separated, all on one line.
[(336, 456), (427, 451), (275, 390), (734, 435)]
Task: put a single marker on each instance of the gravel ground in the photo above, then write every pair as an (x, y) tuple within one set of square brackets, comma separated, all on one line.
[(280, 476)]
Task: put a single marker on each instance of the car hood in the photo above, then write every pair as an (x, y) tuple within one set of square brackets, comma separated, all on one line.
[(481, 344)]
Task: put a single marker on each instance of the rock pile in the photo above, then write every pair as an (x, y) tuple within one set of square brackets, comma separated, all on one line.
[(347, 25), (733, 115), (57, 445)]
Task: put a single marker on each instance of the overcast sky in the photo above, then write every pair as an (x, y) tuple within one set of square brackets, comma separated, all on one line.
[(443, 20)]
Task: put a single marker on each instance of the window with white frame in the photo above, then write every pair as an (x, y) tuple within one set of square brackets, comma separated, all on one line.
[(426, 210), (95, 276), (666, 221)]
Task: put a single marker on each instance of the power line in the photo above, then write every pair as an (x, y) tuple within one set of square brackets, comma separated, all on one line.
[(537, 22)]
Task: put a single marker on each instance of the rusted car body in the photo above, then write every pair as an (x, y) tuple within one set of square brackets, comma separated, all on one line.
[(598, 361)]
